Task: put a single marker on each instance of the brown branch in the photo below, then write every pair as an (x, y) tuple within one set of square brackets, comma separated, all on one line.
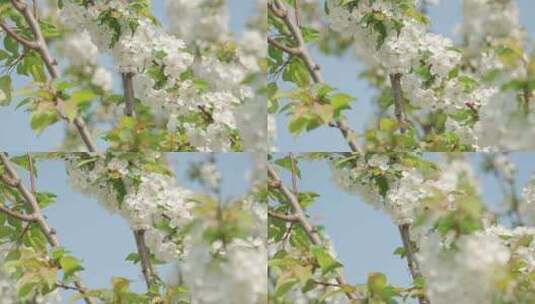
[(283, 217), (128, 89), (30, 199), (32, 174), (278, 10), (139, 235), (395, 81), (9, 181), (297, 9), (17, 215), (144, 257), (10, 32), (294, 173), (282, 47), (67, 287), (51, 66), (302, 218), (410, 254)]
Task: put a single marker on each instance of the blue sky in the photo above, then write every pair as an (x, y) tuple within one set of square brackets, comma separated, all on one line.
[(342, 73), (364, 237), (15, 131), (103, 240)]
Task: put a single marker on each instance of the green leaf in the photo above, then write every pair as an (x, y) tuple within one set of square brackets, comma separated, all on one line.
[(57, 253), (286, 163), (387, 124), (133, 257), (82, 96), (469, 84), (341, 101), (283, 286), (297, 125), (377, 282), (70, 265), (11, 45), (39, 121), (23, 162), (324, 259), (6, 88), (45, 199), (310, 34), (296, 72), (400, 251)]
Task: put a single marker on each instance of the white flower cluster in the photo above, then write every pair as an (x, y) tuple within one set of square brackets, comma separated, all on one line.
[(149, 198), (474, 272), (487, 20), (528, 192), (238, 276), (7, 290), (198, 20), (504, 166), (232, 272), (209, 175), (490, 29), (425, 60), (204, 23), (81, 52), (215, 91), (403, 199)]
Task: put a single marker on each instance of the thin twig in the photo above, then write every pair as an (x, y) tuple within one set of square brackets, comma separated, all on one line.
[(410, 254), (139, 235), (144, 257), (302, 219), (395, 81), (297, 9), (283, 217), (30, 199), (32, 174), (294, 173), (278, 10), (289, 50), (17, 215), (128, 89), (51, 65), (10, 32)]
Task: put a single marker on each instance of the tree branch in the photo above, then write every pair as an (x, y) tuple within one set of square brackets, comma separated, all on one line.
[(51, 65), (30, 199), (278, 10), (302, 218), (410, 253), (17, 215), (128, 88), (399, 110), (283, 217), (144, 257), (139, 235), (10, 32), (282, 47)]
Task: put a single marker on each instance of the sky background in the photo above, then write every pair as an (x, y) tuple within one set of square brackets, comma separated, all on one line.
[(365, 238), (103, 240), (15, 131), (342, 73)]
